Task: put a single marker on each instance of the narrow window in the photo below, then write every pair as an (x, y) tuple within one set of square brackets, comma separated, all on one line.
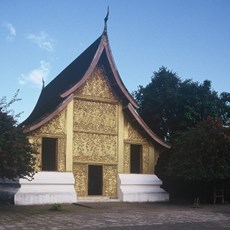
[(136, 159), (49, 154)]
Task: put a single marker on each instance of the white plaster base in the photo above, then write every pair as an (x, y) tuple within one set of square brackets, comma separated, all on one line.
[(140, 188), (45, 188)]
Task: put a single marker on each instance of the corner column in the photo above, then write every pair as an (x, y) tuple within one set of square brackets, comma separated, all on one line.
[(120, 139), (69, 137)]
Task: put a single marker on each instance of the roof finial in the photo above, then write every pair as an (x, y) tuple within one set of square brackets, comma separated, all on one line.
[(105, 20), (43, 83)]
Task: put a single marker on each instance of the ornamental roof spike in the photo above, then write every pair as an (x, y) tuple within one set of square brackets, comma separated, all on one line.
[(105, 21)]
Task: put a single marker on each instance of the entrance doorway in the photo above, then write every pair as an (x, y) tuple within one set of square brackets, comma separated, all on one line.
[(95, 179), (136, 159), (49, 154)]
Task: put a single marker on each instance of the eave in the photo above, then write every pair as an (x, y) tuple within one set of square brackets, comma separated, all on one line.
[(48, 117), (145, 127)]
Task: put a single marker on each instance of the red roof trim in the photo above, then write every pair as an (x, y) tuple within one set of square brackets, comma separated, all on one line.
[(146, 128), (50, 116), (116, 75)]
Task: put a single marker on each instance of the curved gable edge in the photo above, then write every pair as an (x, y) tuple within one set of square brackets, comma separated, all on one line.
[(150, 133), (60, 108), (104, 45), (117, 76)]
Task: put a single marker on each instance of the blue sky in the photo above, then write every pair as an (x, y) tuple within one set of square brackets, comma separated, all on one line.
[(38, 39)]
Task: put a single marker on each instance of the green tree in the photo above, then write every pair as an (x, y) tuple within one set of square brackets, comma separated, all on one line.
[(16, 153), (158, 102), (199, 156), (200, 153), (168, 104)]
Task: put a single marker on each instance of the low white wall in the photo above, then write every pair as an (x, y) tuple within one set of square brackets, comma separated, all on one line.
[(45, 188), (140, 188)]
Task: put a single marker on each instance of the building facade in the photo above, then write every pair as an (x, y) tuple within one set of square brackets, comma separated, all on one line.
[(85, 122)]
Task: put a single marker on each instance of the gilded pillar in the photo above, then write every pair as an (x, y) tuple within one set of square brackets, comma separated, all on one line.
[(120, 139), (69, 137)]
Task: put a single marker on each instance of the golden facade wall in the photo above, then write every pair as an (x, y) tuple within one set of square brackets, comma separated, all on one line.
[(95, 116), (100, 134), (110, 180), (80, 172), (95, 137), (97, 86), (55, 128), (94, 148), (133, 136)]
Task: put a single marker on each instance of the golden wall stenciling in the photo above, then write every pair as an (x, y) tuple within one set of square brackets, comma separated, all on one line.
[(98, 148), (134, 137), (80, 172), (55, 126), (97, 86), (133, 133), (36, 141), (110, 180), (95, 136), (145, 159), (127, 158), (95, 116), (61, 155)]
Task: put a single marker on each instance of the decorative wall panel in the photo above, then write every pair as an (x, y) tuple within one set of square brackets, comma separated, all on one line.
[(36, 141), (98, 148), (55, 126), (110, 180), (80, 172), (134, 134), (61, 155), (145, 159), (95, 116), (97, 86), (127, 158)]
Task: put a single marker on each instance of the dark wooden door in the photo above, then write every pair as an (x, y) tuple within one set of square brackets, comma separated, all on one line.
[(136, 159), (95, 180), (49, 154)]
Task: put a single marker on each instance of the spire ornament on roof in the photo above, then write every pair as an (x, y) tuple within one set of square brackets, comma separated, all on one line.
[(43, 83), (105, 20)]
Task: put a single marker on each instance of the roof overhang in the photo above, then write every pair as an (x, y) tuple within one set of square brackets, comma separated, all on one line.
[(43, 121), (145, 127)]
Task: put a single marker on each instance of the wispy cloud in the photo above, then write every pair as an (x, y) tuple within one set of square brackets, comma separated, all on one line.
[(43, 40), (36, 76), (11, 31)]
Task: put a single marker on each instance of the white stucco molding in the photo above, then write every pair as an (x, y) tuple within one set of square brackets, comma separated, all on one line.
[(140, 188)]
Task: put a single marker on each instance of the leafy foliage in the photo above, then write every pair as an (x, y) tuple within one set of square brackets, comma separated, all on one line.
[(196, 121), (16, 153), (168, 104), (201, 153)]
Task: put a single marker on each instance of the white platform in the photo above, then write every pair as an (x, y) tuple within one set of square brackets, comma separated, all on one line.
[(45, 188), (140, 188)]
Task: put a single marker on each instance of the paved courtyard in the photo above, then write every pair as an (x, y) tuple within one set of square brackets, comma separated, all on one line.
[(115, 215)]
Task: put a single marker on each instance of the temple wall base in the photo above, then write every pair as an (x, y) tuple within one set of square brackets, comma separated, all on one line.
[(45, 188), (140, 188)]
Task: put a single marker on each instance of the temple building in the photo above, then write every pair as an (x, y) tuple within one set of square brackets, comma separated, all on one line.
[(91, 141)]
